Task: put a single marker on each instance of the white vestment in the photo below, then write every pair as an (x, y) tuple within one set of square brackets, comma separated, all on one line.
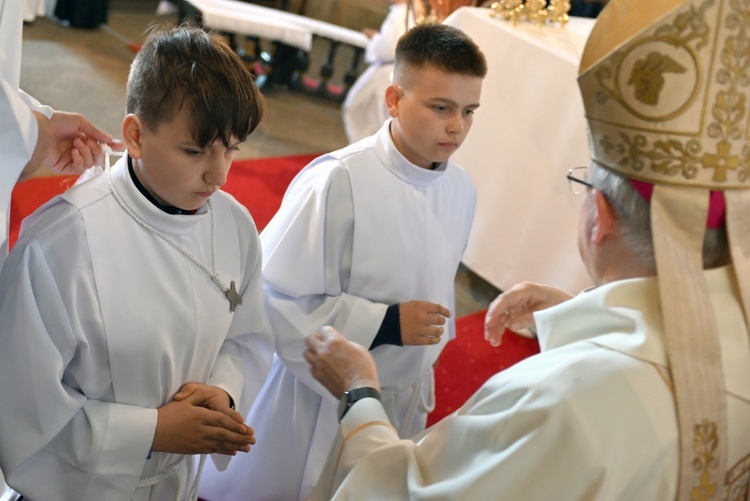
[(33, 8), (364, 109), (18, 127), (359, 229), (590, 418), (103, 322)]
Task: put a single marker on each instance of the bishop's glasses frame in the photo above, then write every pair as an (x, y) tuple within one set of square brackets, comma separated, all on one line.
[(577, 180)]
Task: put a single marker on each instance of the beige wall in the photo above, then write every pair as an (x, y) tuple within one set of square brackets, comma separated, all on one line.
[(354, 14)]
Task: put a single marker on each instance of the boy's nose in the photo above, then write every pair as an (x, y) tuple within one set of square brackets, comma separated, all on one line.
[(217, 172), (456, 124)]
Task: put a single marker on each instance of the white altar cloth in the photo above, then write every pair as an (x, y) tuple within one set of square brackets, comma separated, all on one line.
[(272, 24), (527, 133), (242, 18)]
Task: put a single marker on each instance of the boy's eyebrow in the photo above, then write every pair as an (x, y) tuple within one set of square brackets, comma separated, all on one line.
[(451, 102), (192, 144)]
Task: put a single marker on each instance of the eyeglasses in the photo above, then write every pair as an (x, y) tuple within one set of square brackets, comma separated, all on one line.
[(577, 180)]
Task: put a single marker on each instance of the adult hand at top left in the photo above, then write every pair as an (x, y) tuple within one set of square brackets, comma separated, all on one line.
[(77, 144)]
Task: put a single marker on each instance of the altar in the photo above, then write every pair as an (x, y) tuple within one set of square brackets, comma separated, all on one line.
[(529, 130)]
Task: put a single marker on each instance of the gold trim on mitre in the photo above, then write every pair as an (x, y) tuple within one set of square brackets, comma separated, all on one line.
[(666, 91)]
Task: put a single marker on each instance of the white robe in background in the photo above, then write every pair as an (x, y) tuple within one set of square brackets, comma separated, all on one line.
[(590, 418), (18, 127), (102, 324), (359, 229), (33, 8), (364, 109)]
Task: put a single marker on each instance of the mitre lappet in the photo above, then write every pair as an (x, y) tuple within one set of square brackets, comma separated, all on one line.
[(665, 90)]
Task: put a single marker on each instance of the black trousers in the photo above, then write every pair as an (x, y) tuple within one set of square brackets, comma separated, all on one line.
[(83, 13)]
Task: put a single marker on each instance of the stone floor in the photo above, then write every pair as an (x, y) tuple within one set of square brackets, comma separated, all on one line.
[(86, 70)]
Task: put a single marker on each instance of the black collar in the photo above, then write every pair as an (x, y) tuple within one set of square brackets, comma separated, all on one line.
[(169, 209)]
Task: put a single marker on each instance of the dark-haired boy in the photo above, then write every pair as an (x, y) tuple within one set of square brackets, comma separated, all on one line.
[(368, 239), (132, 305)]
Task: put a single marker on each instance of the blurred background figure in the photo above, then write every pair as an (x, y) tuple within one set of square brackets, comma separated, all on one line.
[(364, 109)]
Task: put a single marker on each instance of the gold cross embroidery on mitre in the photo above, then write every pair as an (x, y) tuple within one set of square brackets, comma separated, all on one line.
[(721, 162)]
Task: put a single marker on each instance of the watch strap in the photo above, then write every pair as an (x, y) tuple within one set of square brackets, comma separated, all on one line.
[(350, 397)]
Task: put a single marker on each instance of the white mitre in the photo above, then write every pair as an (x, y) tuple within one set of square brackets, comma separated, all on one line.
[(665, 89)]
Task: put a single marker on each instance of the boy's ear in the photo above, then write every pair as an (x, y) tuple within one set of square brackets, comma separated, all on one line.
[(605, 219), (132, 128), (393, 95)]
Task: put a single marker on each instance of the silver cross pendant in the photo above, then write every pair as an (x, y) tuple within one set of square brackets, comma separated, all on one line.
[(234, 297)]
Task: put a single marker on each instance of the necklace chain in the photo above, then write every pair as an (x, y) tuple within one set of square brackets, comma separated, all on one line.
[(229, 293)]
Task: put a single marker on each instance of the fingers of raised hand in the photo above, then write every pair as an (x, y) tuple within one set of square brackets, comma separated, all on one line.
[(434, 319), (443, 311), (424, 313), (432, 334), (422, 335)]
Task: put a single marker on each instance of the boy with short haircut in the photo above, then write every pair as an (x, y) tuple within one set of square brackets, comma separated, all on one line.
[(368, 239), (132, 305)]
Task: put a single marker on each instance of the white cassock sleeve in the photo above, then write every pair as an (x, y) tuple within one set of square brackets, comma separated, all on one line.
[(557, 438), (18, 126), (307, 252), (18, 137), (48, 301)]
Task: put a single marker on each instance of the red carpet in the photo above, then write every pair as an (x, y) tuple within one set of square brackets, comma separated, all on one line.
[(468, 361), (259, 184)]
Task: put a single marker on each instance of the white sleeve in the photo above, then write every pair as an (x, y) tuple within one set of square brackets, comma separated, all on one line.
[(50, 350), (18, 136), (307, 250), (35, 105), (18, 126), (562, 437)]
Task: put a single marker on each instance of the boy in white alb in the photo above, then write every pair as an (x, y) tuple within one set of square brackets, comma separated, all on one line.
[(132, 305), (367, 239)]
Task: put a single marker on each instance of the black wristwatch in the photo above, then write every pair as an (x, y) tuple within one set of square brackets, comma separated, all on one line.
[(352, 396)]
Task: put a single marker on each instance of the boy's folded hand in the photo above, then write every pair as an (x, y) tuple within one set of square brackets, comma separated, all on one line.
[(193, 423)]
